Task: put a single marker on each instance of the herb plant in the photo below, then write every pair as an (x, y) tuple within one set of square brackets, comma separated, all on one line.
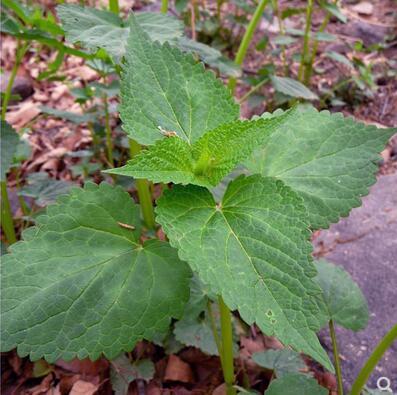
[(83, 283)]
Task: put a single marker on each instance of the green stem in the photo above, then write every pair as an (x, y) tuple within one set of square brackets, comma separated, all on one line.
[(309, 68), (336, 357), (306, 41), (21, 50), (245, 42), (227, 347), (6, 215), (114, 6), (142, 186), (252, 90), (108, 130), (277, 11), (218, 11), (24, 207), (164, 6), (215, 330), (373, 360)]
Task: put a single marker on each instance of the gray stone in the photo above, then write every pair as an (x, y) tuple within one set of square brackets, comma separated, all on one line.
[(365, 244), (368, 33), (22, 85)]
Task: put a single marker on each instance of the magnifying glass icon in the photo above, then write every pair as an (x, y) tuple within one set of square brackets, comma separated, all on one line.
[(383, 384)]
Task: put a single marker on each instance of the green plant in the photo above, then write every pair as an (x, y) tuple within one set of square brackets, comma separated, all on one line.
[(247, 38), (31, 23), (92, 287)]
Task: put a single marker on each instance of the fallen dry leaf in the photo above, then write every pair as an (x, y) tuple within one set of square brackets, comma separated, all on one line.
[(26, 112), (59, 91), (43, 387), (250, 346), (364, 8), (82, 72), (81, 387), (178, 370), (84, 366), (54, 391), (220, 390)]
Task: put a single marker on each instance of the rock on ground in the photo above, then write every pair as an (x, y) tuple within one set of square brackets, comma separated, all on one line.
[(365, 244)]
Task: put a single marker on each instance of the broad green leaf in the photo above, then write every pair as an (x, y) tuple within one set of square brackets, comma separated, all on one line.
[(81, 285), (295, 384), (93, 28), (324, 36), (162, 87), (340, 58), (159, 27), (197, 333), (199, 296), (346, 304), (372, 391), (123, 372), (43, 189), (9, 143), (208, 160), (195, 327), (283, 40), (169, 160), (334, 10), (329, 160), (292, 88), (253, 249), (9, 25), (282, 361), (96, 29)]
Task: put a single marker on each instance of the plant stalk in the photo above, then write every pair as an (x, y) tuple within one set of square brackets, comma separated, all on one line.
[(142, 186), (305, 58), (227, 347), (338, 369), (164, 6), (215, 331), (247, 38), (373, 360), (6, 215), (252, 90), (21, 50), (309, 68), (108, 130), (7, 222), (277, 11), (114, 6)]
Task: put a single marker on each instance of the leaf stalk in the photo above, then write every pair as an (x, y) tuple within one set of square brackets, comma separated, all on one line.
[(227, 347), (164, 6), (6, 215), (335, 350), (114, 6), (309, 67), (108, 131), (247, 38), (305, 58), (373, 360), (142, 186), (21, 50)]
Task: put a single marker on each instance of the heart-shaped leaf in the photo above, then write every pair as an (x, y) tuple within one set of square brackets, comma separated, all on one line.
[(346, 304), (253, 249), (81, 284)]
